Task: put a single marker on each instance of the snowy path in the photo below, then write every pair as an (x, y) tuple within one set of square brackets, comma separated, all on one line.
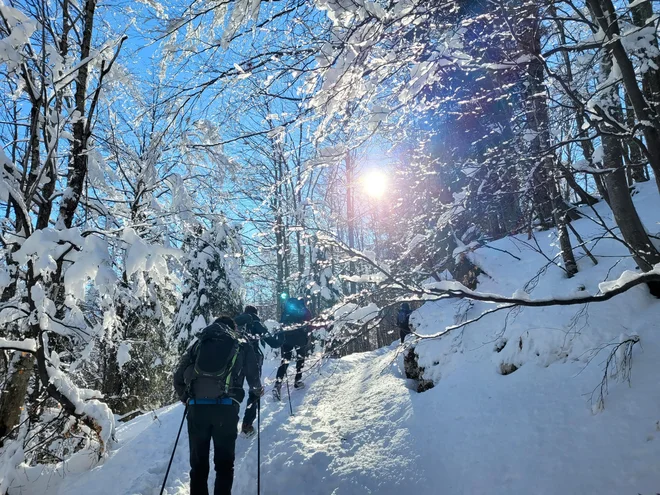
[(358, 429)]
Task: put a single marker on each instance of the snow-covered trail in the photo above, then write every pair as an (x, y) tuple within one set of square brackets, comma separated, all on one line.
[(358, 429)]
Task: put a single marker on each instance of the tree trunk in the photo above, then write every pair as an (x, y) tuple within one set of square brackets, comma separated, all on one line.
[(13, 395), (625, 214), (539, 122), (604, 13), (635, 157), (641, 13), (585, 144), (567, 175), (350, 214), (78, 166), (567, 255)]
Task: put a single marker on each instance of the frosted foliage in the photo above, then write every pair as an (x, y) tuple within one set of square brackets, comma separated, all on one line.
[(86, 403), (20, 30), (141, 256), (123, 354), (214, 283), (91, 263)]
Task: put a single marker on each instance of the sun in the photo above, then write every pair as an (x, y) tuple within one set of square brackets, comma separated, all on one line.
[(375, 183)]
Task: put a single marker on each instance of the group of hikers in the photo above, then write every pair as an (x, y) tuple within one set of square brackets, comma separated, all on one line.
[(210, 377)]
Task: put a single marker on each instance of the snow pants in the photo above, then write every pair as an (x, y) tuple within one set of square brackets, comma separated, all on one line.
[(403, 332), (217, 422), (253, 399), (287, 354)]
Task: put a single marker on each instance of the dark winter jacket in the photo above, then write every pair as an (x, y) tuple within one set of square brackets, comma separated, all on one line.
[(246, 367), (255, 331), (297, 337), (403, 318)]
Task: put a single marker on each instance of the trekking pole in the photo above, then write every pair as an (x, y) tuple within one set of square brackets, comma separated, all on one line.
[(288, 391), (185, 412), (259, 447)]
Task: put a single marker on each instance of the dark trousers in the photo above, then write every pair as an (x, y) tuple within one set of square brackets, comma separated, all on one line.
[(253, 399), (403, 332), (287, 354), (217, 422)]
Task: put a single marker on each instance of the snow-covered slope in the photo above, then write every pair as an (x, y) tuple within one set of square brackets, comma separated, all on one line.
[(359, 427)]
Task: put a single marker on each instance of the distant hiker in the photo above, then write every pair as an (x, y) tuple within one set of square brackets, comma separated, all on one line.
[(209, 379), (296, 337), (403, 321), (252, 328)]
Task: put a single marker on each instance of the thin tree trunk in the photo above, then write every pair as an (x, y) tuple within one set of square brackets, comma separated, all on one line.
[(567, 175), (350, 214), (539, 122), (585, 144), (564, 240), (642, 13), (634, 158), (78, 167)]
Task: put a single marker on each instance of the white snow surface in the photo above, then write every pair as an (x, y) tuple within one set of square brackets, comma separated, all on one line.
[(359, 427), (27, 345)]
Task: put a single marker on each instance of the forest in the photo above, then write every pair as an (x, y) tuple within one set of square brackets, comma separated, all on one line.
[(167, 162)]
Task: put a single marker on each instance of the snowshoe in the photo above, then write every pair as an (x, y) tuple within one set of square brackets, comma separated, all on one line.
[(298, 385)]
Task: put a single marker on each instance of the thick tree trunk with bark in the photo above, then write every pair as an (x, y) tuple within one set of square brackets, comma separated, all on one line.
[(625, 214), (13, 395), (604, 13)]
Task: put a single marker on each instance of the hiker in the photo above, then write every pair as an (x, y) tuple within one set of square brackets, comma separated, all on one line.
[(403, 321), (252, 328), (294, 315), (209, 379)]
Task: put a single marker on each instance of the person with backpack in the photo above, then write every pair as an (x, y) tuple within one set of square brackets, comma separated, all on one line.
[(255, 332), (209, 379), (403, 321), (295, 337)]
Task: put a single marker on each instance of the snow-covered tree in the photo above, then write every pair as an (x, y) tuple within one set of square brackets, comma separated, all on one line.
[(213, 283)]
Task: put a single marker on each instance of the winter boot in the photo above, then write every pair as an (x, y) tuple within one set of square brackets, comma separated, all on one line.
[(299, 385), (247, 430), (277, 391)]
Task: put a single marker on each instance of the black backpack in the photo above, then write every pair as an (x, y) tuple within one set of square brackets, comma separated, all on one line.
[(217, 350)]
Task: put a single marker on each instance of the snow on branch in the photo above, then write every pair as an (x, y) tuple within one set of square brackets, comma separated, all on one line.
[(608, 290), (85, 401), (453, 289), (27, 345)]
